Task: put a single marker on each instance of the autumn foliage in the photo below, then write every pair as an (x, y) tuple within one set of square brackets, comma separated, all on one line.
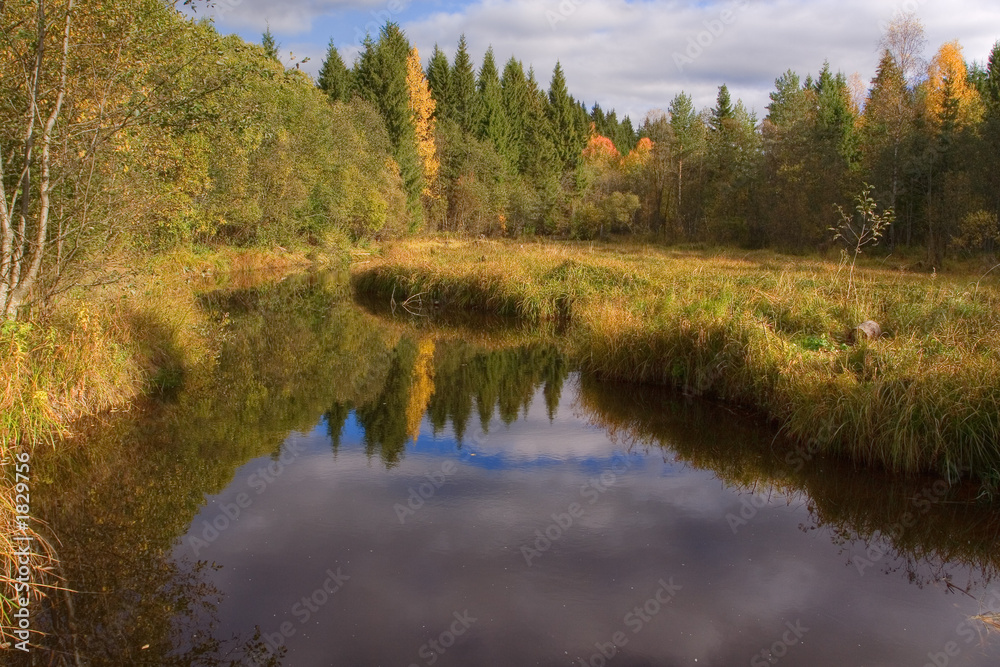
[(600, 149), (422, 105), (950, 95)]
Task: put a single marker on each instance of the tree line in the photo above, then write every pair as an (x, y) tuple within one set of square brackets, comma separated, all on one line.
[(128, 128), (516, 159)]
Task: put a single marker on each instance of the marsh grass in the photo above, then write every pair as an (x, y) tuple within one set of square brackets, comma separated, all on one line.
[(758, 329), (99, 350)]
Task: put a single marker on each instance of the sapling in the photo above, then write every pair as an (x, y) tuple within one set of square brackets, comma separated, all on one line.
[(863, 228)]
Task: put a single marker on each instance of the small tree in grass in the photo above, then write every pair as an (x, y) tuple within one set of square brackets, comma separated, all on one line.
[(864, 227)]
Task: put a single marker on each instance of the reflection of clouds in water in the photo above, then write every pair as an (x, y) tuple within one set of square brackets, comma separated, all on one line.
[(461, 550)]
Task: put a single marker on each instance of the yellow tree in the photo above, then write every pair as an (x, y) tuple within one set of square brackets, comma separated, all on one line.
[(421, 387), (422, 107), (950, 94)]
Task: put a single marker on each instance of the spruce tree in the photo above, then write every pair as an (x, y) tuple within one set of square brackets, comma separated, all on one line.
[(516, 101), (270, 45), (723, 110), (463, 88), (991, 93), (562, 115), (439, 80), (834, 117), (334, 79), (493, 124), (600, 121), (380, 78)]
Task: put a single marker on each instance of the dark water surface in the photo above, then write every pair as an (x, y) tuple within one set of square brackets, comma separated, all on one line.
[(350, 488)]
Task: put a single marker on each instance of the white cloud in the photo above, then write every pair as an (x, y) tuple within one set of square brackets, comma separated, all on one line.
[(288, 17), (629, 55)]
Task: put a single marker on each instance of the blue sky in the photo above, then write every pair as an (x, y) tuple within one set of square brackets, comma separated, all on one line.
[(634, 56)]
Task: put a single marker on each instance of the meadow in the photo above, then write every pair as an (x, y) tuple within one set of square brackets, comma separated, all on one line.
[(758, 329)]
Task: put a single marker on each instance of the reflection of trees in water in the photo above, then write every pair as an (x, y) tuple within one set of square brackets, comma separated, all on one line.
[(120, 498), (450, 382), (915, 525)]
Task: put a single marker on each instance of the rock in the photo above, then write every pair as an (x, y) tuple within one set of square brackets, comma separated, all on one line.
[(866, 331)]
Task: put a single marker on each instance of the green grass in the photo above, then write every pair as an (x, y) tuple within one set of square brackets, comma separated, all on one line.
[(759, 329)]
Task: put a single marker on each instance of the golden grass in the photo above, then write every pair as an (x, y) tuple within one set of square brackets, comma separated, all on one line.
[(760, 329)]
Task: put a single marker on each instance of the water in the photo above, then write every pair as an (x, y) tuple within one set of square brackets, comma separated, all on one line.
[(352, 488)]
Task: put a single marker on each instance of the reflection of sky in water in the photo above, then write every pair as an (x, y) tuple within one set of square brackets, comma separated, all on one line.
[(462, 550)]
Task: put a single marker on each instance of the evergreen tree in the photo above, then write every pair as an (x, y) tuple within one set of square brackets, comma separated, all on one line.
[(493, 124), (271, 46), (626, 136), (439, 80), (834, 116), (991, 88), (539, 161), (463, 88), (516, 102), (887, 120), (989, 161), (562, 115), (788, 101), (380, 76), (723, 110), (600, 121), (334, 78)]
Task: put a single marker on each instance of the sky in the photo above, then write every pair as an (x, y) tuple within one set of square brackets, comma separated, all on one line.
[(633, 56)]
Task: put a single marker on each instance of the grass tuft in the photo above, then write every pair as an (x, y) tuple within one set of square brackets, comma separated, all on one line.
[(758, 329)]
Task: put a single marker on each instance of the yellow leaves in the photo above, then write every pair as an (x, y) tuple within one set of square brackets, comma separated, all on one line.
[(949, 92), (422, 106), (421, 388)]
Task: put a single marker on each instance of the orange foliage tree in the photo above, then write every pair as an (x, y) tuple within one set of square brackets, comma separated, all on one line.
[(950, 94)]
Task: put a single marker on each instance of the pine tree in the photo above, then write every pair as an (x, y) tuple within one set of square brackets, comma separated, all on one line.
[(439, 81), (788, 101), (334, 79), (463, 88), (271, 46)]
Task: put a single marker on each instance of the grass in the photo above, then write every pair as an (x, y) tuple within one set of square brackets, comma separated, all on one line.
[(759, 329), (100, 350)]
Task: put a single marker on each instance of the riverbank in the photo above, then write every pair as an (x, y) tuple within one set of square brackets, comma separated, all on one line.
[(100, 350), (758, 329)]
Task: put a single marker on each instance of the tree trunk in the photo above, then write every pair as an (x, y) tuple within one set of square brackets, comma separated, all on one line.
[(22, 257)]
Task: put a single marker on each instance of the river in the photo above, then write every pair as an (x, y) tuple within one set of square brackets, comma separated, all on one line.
[(351, 486)]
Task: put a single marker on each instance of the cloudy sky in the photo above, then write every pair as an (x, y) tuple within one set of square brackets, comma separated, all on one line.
[(629, 55)]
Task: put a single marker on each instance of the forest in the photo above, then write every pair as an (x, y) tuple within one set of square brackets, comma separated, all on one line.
[(130, 130)]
